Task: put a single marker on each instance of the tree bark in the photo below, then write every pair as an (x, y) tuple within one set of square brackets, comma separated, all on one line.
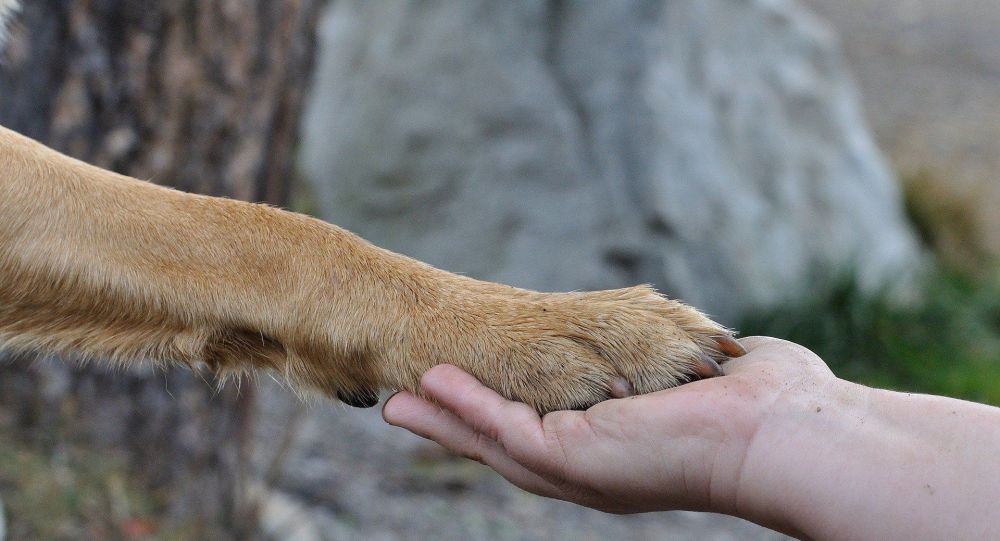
[(203, 95)]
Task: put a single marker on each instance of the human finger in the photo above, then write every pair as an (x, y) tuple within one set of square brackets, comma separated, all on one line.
[(432, 422), (776, 353), (514, 425)]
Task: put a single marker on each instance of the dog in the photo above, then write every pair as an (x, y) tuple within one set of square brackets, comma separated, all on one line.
[(114, 268)]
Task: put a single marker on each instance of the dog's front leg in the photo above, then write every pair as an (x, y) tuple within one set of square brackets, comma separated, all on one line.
[(116, 268)]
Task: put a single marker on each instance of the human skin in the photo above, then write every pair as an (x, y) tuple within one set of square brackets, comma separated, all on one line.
[(779, 440)]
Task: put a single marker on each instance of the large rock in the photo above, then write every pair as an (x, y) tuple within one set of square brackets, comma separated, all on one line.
[(713, 148), (929, 72)]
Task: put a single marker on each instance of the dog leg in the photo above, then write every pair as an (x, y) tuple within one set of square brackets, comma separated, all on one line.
[(115, 268)]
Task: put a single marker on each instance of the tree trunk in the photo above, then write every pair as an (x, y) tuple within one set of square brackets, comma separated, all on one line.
[(202, 95)]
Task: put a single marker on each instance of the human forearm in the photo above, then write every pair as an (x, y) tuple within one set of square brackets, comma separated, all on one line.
[(858, 463)]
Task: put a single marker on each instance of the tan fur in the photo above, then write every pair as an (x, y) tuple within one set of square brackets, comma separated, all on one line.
[(115, 268)]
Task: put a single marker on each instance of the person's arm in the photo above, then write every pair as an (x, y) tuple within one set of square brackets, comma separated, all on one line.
[(779, 441), (875, 464)]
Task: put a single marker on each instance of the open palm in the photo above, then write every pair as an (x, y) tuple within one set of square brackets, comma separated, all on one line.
[(682, 448)]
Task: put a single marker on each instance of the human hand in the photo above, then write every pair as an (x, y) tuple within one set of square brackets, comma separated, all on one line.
[(682, 448)]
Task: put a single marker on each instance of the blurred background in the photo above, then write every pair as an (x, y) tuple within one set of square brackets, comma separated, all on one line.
[(825, 172)]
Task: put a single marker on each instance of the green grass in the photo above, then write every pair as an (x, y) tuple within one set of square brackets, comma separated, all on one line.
[(73, 491), (69, 493), (948, 343)]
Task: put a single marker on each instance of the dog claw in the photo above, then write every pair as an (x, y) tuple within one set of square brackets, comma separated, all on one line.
[(359, 399), (621, 388), (729, 346), (707, 367)]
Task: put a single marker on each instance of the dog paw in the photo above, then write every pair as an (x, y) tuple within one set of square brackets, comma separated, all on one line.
[(568, 350)]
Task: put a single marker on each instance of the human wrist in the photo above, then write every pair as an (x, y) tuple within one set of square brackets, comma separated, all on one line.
[(802, 441)]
